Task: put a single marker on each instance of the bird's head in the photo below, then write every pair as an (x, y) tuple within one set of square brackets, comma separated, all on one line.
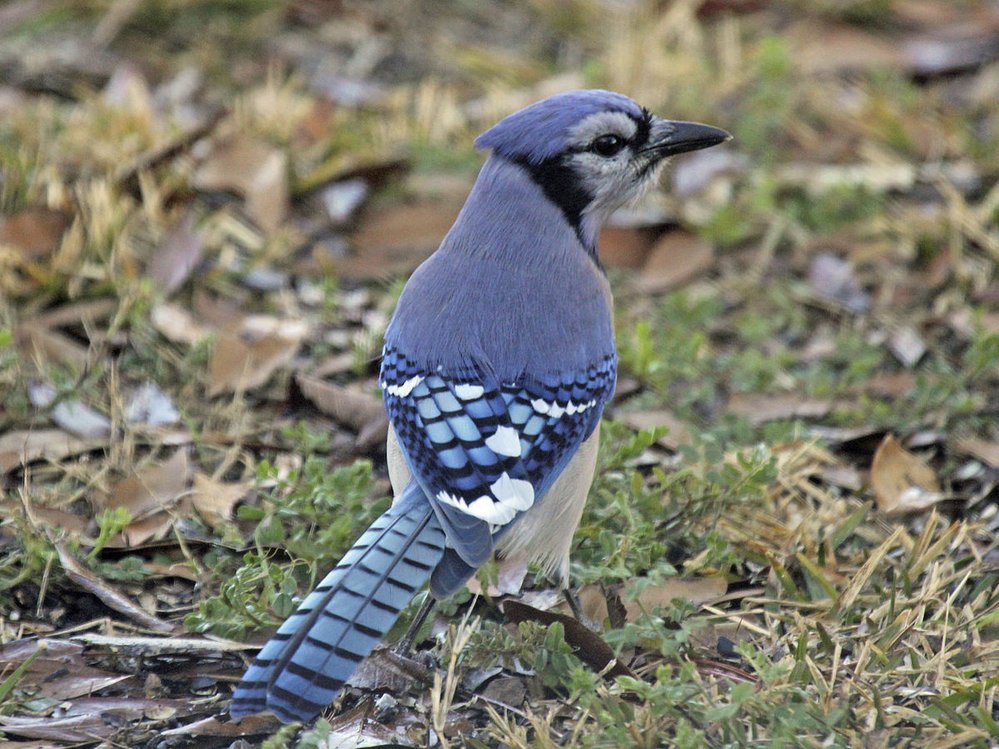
[(591, 151)]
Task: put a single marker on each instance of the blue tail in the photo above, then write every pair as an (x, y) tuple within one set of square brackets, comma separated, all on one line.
[(303, 667)]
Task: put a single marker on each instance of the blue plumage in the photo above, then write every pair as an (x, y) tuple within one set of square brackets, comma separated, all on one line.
[(484, 450), (497, 364)]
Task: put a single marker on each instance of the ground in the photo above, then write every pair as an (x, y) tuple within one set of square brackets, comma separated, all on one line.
[(208, 210)]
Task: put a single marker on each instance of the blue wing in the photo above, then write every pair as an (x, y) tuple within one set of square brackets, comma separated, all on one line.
[(487, 451)]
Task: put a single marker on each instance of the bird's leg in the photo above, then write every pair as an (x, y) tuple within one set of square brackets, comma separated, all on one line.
[(405, 643), (573, 600)]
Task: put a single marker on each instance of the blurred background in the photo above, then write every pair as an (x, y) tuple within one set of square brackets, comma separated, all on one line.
[(207, 211)]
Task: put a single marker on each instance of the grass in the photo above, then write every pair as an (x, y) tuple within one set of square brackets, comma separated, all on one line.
[(840, 626)]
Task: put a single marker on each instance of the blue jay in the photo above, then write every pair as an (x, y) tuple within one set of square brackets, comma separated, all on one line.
[(496, 367)]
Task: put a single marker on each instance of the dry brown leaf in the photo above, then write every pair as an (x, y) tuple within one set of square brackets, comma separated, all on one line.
[(760, 408), (58, 672), (823, 47), (348, 404), (589, 646), (28, 445), (675, 259), (394, 240), (251, 725), (245, 358), (987, 452), (255, 170), (177, 324), (152, 489), (639, 597), (216, 500), (177, 256), (902, 481), (36, 232), (83, 729), (623, 247), (108, 595), (35, 341)]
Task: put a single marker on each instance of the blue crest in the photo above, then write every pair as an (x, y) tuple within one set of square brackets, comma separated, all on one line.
[(539, 131)]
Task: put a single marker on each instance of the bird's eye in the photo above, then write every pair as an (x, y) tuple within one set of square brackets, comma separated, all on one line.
[(607, 145)]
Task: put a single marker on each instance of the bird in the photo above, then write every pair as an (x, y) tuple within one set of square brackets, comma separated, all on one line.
[(496, 366)]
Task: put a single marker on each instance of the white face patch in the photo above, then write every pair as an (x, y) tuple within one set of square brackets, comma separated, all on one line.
[(613, 180), (601, 123)]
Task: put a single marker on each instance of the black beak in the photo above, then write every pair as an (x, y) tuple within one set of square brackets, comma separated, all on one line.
[(668, 138)]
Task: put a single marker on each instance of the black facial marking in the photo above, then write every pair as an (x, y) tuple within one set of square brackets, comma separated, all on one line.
[(644, 125), (562, 186)]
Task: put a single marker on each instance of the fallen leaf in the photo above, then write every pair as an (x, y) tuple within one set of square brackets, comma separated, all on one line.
[(36, 232), (177, 255), (72, 415), (506, 690), (149, 405), (245, 358), (641, 596), (760, 408), (110, 597), (837, 48), (387, 670), (832, 278), (162, 646), (902, 482), (358, 728), (675, 259), (348, 404), (589, 646), (76, 729), (153, 488), (39, 342), (986, 452), (251, 725), (177, 324), (394, 240), (253, 169), (342, 199), (26, 446), (907, 345), (950, 50), (58, 672), (216, 500), (624, 247)]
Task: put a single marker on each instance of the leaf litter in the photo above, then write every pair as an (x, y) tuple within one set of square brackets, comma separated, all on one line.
[(197, 270)]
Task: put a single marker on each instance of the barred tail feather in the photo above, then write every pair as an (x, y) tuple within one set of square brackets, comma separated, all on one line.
[(299, 672)]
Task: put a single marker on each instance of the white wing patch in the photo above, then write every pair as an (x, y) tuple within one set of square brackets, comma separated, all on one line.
[(555, 411), (509, 496), (403, 390), (468, 391), (505, 441)]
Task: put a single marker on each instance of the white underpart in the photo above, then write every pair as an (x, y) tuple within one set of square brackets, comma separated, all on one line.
[(505, 441), (401, 391), (468, 391)]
